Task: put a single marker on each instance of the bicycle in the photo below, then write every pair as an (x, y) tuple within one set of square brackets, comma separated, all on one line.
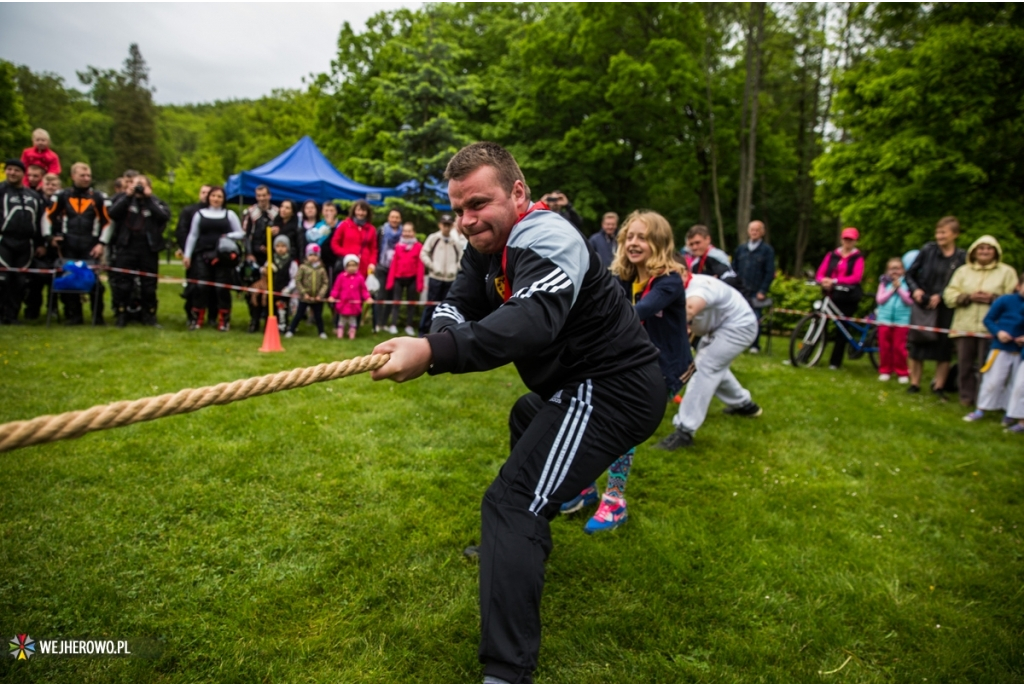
[(807, 342)]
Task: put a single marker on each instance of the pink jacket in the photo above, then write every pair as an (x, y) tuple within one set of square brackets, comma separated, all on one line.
[(350, 292), (47, 159), (841, 277), (406, 264), (349, 238)]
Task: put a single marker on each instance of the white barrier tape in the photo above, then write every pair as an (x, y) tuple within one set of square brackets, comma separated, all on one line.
[(179, 281), (872, 322)]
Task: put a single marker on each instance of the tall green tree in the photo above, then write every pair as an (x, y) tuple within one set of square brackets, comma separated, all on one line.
[(127, 98), (15, 132), (79, 131), (935, 125)]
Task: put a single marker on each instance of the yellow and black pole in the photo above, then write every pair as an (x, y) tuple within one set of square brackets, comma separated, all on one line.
[(271, 335)]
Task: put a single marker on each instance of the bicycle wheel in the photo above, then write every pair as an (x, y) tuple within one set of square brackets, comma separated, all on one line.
[(871, 343), (807, 342)]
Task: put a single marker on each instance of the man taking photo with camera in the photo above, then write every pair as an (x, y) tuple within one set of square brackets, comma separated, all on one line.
[(136, 236)]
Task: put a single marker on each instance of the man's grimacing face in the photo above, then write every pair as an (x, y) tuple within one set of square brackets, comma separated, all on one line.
[(486, 211)]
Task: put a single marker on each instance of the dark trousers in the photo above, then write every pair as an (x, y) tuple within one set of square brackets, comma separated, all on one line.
[(381, 311), (971, 354), (300, 314), (558, 446), (209, 296), (12, 284), (136, 255), (436, 292), (848, 308), (38, 284), (407, 286)]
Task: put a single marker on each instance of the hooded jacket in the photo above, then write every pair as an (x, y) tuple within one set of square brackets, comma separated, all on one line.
[(995, 278)]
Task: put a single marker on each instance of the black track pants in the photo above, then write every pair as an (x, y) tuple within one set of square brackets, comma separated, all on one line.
[(137, 256), (558, 447)]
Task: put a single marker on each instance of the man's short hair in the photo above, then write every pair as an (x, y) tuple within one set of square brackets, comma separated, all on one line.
[(951, 222), (472, 157), (52, 177), (614, 215), (698, 229), (35, 166), (129, 173), (78, 166), (262, 187), (42, 132)]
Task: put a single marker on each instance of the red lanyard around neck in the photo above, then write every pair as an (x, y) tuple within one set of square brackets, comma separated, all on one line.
[(504, 287)]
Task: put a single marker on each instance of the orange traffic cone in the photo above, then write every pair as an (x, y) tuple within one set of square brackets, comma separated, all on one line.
[(271, 337)]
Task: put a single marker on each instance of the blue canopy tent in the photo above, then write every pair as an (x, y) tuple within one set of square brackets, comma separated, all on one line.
[(439, 191), (302, 173)]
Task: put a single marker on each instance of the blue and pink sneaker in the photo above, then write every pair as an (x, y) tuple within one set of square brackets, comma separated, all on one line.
[(584, 499), (1017, 428), (611, 514)]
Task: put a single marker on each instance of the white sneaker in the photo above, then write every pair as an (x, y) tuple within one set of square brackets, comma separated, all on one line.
[(376, 329), (754, 350), (289, 334), (903, 380), (323, 336), (409, 330), (884, 376), (392, 330)]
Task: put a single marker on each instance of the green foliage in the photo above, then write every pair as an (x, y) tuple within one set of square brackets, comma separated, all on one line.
[(79, 131), (127, 98), (16, 129), (936, 127), (317, 534)]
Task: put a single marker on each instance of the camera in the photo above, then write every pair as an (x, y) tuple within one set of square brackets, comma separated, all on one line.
[(139, 189)]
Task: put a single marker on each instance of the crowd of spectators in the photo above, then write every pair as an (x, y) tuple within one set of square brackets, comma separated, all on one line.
[(316, 257)]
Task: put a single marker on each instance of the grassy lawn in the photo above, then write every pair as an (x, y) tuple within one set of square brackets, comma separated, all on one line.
[(853, 533)]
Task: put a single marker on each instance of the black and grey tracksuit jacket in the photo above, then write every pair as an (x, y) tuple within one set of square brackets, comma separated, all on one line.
[(567, 319)]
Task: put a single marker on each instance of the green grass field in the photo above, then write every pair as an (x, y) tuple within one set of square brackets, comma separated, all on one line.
[(853, 533)]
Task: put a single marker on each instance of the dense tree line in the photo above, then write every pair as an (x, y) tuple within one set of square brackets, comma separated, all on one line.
[(806, 116)]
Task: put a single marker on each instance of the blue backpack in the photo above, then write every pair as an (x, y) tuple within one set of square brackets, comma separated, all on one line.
[(76, 277)]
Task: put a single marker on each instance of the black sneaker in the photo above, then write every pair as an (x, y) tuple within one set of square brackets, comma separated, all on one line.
[(121, 320), (472, 552), (74, 321), (677, 439), (750, 409), (913, 389)]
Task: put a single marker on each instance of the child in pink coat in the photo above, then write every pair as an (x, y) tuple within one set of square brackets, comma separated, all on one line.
[(405, 278), (349, 293)]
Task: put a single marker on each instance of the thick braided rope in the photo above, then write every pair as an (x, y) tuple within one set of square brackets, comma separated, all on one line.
[(74, 424)]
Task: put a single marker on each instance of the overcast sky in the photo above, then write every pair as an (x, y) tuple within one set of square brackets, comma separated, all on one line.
[(196, 52)]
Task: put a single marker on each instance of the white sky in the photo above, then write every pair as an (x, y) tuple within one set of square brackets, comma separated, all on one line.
[(196, 52)]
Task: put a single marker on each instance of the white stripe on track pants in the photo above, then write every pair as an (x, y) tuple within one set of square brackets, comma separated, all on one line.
[(558, 447), (713, 377)]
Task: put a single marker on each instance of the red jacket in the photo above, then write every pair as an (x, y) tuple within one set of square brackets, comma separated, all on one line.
[(47, 159), (349, 238), (406, 264)]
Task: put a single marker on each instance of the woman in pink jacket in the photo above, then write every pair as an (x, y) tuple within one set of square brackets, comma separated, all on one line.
[(348, 294), (840, 275), (406, 272), (356, 235)]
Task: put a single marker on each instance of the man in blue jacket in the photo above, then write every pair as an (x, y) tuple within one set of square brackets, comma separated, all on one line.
[(754, 261)]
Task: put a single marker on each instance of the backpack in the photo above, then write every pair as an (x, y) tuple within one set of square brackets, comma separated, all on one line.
[(76, 277)]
